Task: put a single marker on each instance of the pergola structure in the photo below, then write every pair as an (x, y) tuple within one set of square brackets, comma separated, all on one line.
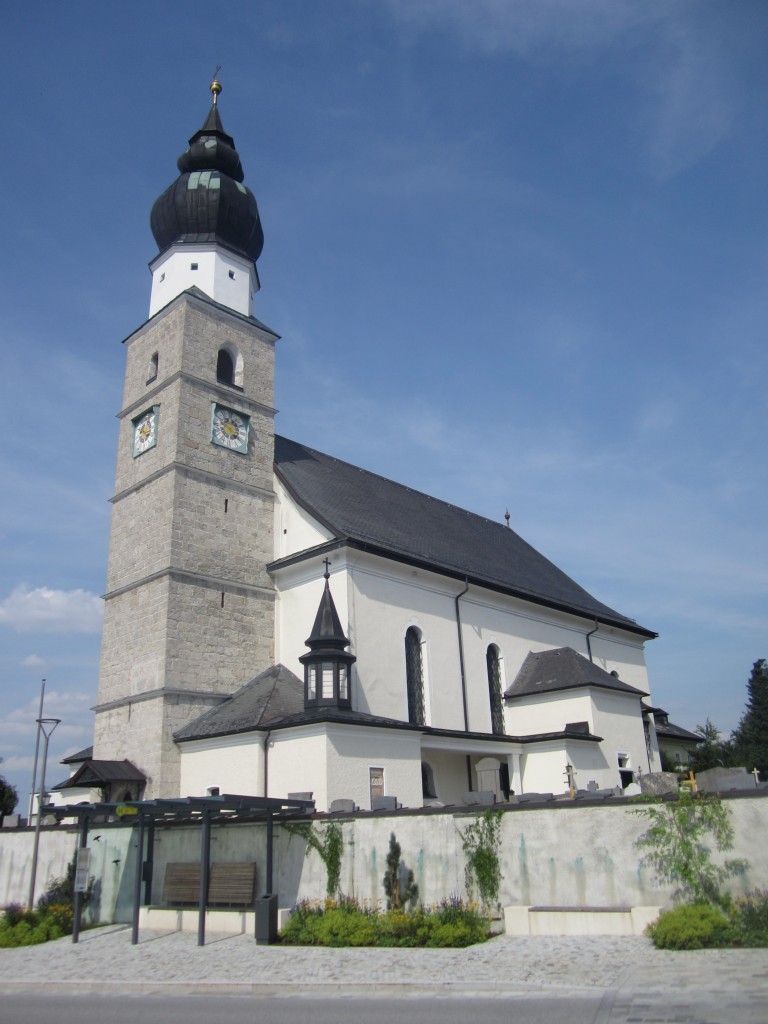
[(205, 810)]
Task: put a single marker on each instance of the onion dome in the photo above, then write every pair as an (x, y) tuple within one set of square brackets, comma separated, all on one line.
[(208, 202)]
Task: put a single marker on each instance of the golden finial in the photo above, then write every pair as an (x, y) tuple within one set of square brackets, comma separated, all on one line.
[(216, 84)]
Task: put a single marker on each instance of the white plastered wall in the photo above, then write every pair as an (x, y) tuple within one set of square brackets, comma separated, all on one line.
[(235, 764), (333, 762), (379, 599), (223, 276)]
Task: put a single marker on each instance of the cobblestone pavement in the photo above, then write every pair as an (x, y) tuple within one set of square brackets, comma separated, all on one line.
[(638, 983)]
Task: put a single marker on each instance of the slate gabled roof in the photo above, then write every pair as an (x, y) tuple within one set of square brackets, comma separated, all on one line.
[(96, 772), (275, 700), (81, 755), (668, 730), (273, 695), (368, 511), (563, 669)]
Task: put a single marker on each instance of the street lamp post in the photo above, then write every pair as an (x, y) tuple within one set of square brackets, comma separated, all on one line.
[(37, 751), (46, 726)]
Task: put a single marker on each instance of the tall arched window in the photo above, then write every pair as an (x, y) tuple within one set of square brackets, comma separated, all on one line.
[(225, 367), (414, 671), (493, 662)]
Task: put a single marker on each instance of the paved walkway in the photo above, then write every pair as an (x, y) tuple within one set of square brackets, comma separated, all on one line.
[(638, 983)]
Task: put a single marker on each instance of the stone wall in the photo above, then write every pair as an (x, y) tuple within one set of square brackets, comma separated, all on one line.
[(567, 855)]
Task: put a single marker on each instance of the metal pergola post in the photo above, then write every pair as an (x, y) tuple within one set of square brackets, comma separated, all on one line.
[(270, 841), (137, 881), (205, 865), (78, 909)]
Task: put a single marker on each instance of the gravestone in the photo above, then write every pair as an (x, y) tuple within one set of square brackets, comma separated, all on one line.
[(659, 783)]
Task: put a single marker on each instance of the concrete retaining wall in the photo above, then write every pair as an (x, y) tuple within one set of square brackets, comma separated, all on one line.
[(566, 856)]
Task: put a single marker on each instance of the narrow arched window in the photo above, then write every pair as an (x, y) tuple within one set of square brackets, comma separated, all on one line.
[(225, 367), (493, 663), (152, 368), (428, 781), (414, 672)]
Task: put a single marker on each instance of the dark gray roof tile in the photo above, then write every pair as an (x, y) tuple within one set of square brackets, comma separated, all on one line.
[(365, 510), (270, 697), (563, 669)]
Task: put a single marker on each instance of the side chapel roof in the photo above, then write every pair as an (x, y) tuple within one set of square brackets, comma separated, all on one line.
[(563, 669), (368, 511)]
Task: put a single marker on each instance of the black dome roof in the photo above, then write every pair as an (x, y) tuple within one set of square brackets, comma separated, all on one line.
[(208, 202)]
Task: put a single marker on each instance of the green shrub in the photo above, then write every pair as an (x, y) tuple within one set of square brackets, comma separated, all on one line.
[(749, 916), (20, 927), (347, 923), (691, 926)]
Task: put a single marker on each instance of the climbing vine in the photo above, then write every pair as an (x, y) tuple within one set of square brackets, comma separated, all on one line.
[(328, 843), (481, 842)]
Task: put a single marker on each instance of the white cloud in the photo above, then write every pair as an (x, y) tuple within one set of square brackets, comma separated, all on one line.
[(523, 26), (32, 661), (51, 611), (71, 707)]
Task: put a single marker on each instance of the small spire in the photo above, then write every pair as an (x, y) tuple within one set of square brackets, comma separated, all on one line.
[(507, 517), (216, 84)]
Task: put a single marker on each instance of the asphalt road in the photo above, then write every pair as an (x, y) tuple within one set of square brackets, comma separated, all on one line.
[(91, 1008)]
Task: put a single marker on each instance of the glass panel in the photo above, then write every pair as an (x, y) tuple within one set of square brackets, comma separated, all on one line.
[(312, 682), (327, 685), (343, 682)]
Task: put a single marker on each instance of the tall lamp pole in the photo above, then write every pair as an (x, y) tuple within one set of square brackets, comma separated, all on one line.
[(37, 751), (46, 726)]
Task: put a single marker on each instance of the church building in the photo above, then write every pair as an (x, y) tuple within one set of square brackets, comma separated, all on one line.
[(278, 621)]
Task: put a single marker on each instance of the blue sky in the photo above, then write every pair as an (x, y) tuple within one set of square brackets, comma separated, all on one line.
[(517, 254)]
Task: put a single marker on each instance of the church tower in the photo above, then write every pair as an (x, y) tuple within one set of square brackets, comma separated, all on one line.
[(189, 608)]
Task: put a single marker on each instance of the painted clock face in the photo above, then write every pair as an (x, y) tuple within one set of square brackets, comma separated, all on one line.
[(145, 431), (230, 429)]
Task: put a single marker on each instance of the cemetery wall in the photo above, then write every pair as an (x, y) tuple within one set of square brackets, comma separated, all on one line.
[(561, 855)]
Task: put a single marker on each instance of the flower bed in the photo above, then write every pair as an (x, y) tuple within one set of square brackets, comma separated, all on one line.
[(345, 922)]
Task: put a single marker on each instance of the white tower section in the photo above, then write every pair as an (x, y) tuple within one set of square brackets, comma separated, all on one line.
[(223, 275)]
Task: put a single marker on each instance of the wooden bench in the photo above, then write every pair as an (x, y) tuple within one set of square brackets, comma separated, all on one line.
[(229, 885)]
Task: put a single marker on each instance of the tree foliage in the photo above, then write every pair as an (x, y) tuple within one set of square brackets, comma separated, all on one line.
[(750, 739), (678, 844), (713, 751), (8, 796)]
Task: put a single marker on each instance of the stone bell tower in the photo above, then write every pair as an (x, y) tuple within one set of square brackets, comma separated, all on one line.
[(189, 608)]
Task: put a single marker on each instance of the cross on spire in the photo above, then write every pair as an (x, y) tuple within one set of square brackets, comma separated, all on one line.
[(327, 564)]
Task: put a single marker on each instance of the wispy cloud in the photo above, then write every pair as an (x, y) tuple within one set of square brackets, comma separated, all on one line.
[(687, 103), (523, 27), (51, 611), (33, 661)]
